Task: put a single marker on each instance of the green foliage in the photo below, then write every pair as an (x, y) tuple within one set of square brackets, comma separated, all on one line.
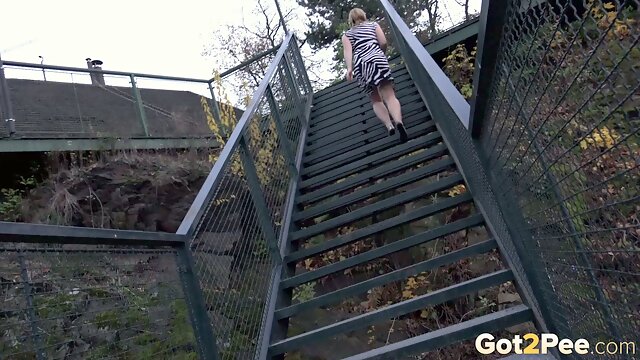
[(327, 18), (459, 66), (10, 205), (11, 199), (304, 292)]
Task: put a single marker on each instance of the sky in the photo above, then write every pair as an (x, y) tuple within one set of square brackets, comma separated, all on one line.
[(156, 37)]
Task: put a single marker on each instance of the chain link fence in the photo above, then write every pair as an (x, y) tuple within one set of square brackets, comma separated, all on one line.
[(56, 102), (75, 293), (560, 139), (239, 213), (92, 302)]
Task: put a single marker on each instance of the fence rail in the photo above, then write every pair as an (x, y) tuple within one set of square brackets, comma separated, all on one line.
[(87, 103), (559, 134), (95, 293)]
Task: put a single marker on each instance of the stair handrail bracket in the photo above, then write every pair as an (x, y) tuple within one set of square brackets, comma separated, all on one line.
[(451, 113)]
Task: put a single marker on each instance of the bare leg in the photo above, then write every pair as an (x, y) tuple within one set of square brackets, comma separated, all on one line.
[(380, 110), (389, 96)]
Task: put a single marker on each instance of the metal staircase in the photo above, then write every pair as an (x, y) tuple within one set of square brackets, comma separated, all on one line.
[(312, 210), (353, 173)]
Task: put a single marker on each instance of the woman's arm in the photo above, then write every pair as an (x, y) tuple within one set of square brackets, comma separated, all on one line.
[(382, 40), (348, 55)]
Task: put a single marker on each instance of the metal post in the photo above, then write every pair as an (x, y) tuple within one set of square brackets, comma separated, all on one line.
[(44, 75), (492, 17), (300, 61), (5, 102), (205, 338), (139, 105), (255, 189), (295, 89), (31, 313), (215, 108), (284, 25), (282, 134)]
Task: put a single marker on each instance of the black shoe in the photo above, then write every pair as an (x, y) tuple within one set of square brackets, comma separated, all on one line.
[(392, 131), (403, 132)]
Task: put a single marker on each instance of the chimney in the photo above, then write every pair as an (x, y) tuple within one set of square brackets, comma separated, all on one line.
[(96, 78)]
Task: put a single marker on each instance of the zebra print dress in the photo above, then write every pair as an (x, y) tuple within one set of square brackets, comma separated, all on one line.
[(370, 64)]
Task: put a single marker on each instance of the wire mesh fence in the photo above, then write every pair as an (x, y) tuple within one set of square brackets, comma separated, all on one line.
[(61, 300), (238, 234), (60, 102), (560, 136), (92, 302)]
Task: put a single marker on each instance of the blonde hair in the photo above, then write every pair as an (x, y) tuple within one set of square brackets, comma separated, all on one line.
[(357, 16)]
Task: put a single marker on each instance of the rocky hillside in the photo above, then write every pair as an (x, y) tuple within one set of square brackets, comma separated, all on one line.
[(135, 192)]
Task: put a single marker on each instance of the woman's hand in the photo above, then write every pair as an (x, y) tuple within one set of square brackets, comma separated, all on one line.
[(349, 74)]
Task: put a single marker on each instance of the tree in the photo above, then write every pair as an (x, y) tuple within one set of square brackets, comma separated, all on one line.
[(328, 19), (465, 5), (431, 7), (234, 44)]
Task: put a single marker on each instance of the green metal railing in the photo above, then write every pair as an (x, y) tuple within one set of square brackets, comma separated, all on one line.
[(250, 192), (72, 104), (73, 292), (550, 152), (557, 125), (451, 113)]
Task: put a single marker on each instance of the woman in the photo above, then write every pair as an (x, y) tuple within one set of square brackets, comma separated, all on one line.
[(364, 52)]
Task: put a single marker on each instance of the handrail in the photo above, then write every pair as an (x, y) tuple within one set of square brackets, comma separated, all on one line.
[(214, 178), (248, 61), (489, 35), (42, 233), (451, 113), (437, 83), (100, 71)]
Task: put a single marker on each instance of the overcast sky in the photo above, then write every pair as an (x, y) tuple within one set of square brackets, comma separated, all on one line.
[(158, 37)]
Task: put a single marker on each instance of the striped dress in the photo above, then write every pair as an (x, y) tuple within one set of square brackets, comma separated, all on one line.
[(370, 64)]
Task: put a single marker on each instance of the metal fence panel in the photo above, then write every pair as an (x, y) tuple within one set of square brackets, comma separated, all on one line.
[(560, 136), (92, 302)]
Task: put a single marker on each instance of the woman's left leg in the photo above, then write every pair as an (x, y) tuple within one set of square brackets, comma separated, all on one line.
[(381, 111)]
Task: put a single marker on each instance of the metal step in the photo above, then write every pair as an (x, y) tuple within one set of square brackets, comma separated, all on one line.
[(423, 237), (397, 275), (360, 152), (382, 205), (323, 117), (345, 120), (359, 126), (330, 244), (336, 143), (365, 163), (376, 189), (451, 334), (405, 307), (373, 174)]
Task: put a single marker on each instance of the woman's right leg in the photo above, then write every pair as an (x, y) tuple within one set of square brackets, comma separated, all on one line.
[(380, 110), (389, 96)]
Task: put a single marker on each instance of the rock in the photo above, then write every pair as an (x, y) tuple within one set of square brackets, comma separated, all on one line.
[(119, 219), (216, 242), (521, 329), (131, 220), (116, 200), (217, 267), (508, 298)]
